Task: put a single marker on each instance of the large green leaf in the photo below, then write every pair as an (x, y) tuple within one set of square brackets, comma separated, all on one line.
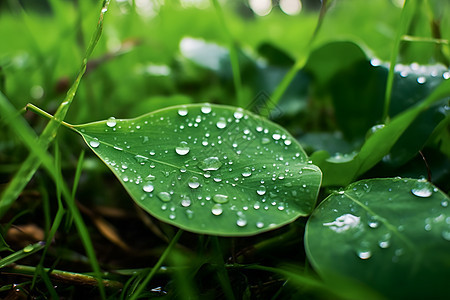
[(208, 169), (391, 234)]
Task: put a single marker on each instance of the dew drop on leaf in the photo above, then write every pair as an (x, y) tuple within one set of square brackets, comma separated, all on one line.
[(218, 198), (247, 172), (276, 136), (111, 122), (222, 123), (182, 148), (164, 196), (364, 254), (210, 164), (141, 159), (261, 190), (238, 114), (28, 248), (150, 177), (206, 109), (421, 79), (94, 143), (183, 111), (193, 182), (241, 222), (189, 214), (422, 189), (217, 209), (148, 188), (265, 140), (186, 202)]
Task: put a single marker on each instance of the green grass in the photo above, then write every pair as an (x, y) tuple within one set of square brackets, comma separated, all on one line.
[(98, 243)]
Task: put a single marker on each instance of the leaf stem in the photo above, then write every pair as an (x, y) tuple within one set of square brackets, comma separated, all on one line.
[(65, 276), (45, 114)]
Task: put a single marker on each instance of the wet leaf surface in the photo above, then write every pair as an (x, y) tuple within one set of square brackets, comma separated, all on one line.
[(391, 234), (208, 169)]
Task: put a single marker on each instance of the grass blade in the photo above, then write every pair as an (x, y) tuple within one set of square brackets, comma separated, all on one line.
[(406, 15), (234, 58), (28, 250), (157, 266)]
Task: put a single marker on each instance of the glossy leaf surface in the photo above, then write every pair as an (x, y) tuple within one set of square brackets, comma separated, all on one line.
[(208, 169), (391, 234)]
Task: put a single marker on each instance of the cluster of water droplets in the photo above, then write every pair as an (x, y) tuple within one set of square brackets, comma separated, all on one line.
[(370, 233), (421, 72), (204, 169)]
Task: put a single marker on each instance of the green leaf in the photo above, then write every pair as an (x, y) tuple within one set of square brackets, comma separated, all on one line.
[(341, 170), (391, 234), (208, 169), (327, 60)]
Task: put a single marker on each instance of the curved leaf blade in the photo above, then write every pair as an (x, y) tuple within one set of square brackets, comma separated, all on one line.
[(391, 234), (208, 169)]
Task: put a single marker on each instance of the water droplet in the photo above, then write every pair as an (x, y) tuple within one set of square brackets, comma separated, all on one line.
[(206, 109), (421, 79), (218, 198), (164, 196), (182, 148), (111, 122), (385, 241), (364, 254), (265, 140), (259, 224), (343, 223), (210, 164), (141, 159), (241, 222), (247, 172), (28, 248), (446, 235), (189, 214), (217, 209), (238, 114), (276, 136), (183, 111), (422, 189), (287, 142), (222, 123), (193, 182), (148, 188), (373, 222), (186, 202), (261, 190), (94, 143), (444, 203)]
